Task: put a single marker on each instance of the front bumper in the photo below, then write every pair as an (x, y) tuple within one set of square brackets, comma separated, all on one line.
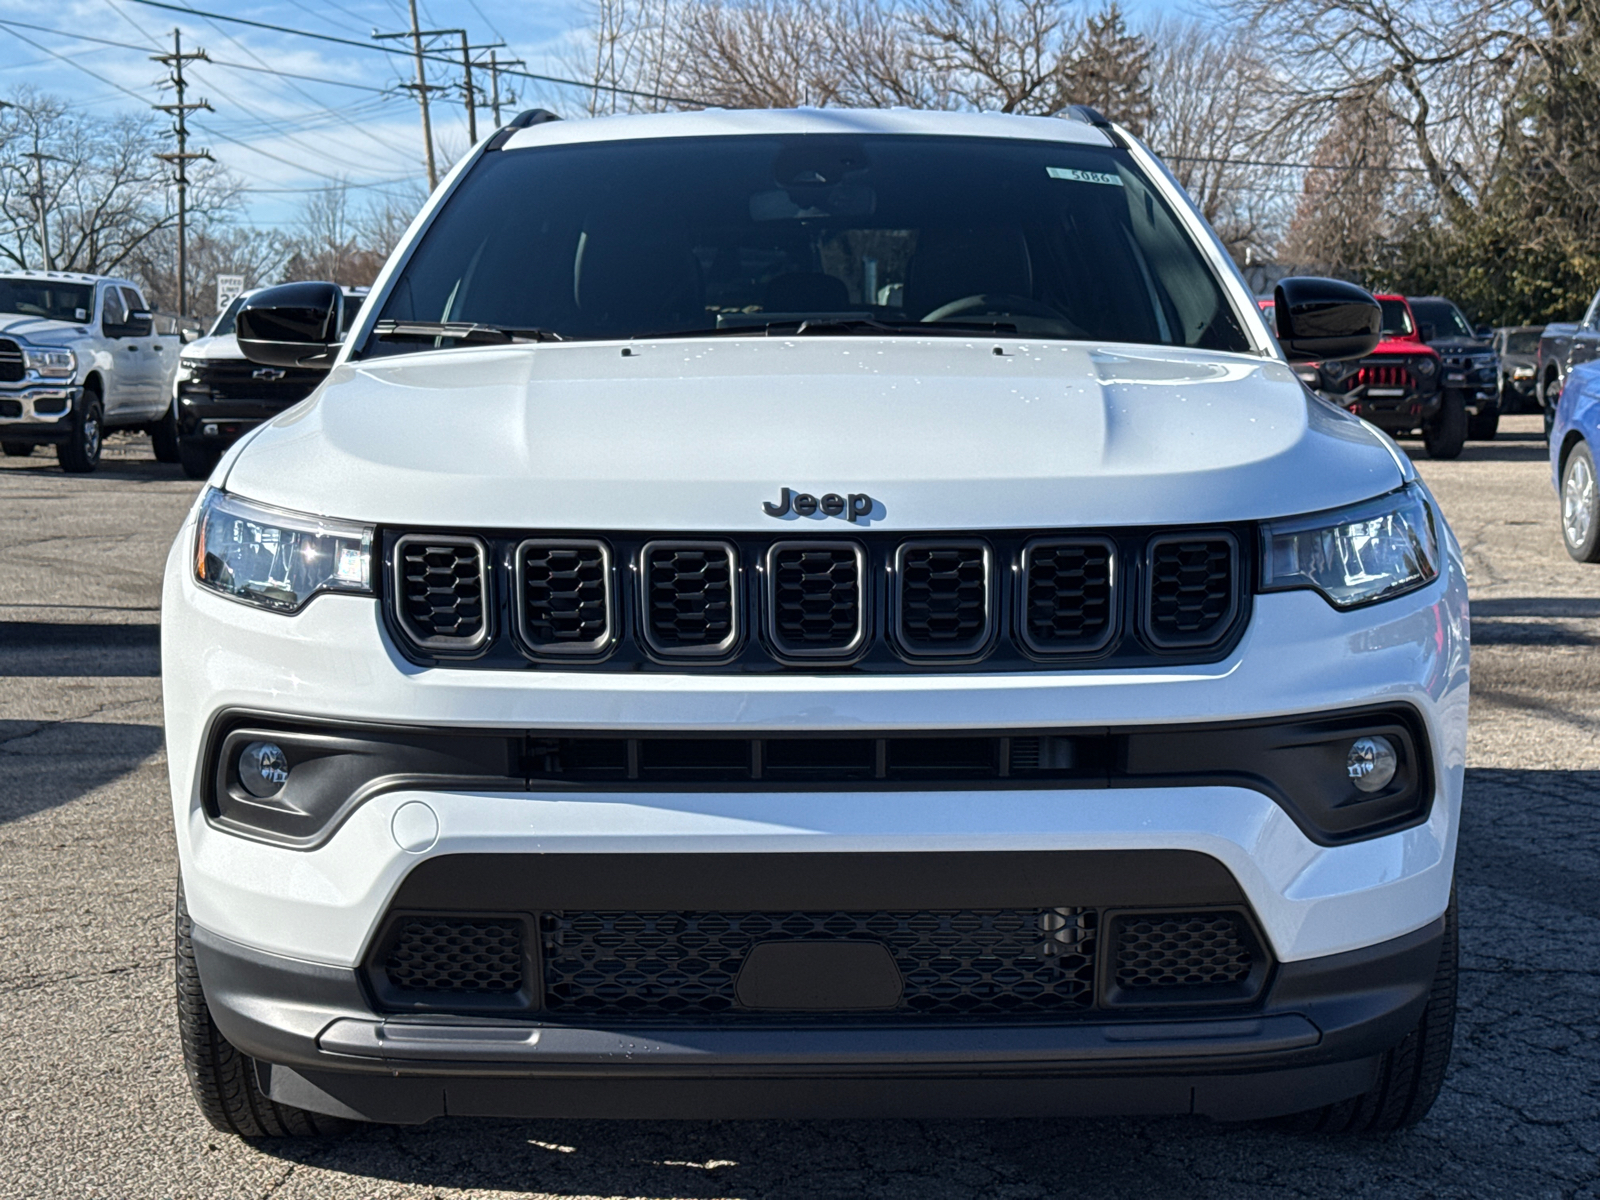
[(37, 414)]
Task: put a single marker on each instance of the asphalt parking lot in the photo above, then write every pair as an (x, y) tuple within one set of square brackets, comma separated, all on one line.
[(93, 1101)]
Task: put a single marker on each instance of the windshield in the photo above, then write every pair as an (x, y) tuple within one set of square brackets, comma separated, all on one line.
[(732, 234), (1445, 318), (1396, 320), (1524, 341), (48, 298), (225, 321)]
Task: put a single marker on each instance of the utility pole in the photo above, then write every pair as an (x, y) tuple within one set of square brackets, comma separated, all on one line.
[(184, 156), (494, 84), (467, 90), (39, 159), (423, 87)]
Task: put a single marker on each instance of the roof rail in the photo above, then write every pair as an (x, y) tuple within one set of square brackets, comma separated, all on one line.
[(1093, 116), (523, 120)]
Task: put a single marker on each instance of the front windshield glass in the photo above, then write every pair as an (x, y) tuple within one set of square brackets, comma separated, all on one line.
[(1396, 320), (733, 234), (225, 322), (48, 298), (1523, 342), (1445, 318)]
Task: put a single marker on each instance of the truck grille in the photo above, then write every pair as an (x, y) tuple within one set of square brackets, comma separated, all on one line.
[(943, 603), (1191, 593), (442, 600), (11, 367), (564, 596), (689, 597), (1068, 603), (815, 608), (1386, 375)]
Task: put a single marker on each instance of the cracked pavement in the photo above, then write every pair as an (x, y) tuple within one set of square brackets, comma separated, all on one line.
[(93, 1102)]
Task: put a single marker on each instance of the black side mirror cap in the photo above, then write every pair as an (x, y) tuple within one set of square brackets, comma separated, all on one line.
[(139, 324), (1485, 332), (1323, 320), (292, 325)]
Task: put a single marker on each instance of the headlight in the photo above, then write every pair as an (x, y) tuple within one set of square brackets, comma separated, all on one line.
[(278, 559), (1338, 369), (1426, 367), (1357, 555), (188, 369), (55, 361)]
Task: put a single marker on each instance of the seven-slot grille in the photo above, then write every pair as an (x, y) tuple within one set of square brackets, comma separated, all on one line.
[(564, 602), (943, 604), (691, 598), (815, 605), (1191, 589), (1067, 602), (441, 585), (11, 367), (1386, 375)]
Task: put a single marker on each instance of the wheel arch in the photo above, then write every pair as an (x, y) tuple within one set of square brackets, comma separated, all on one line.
[(1572, 439), (93, 382)]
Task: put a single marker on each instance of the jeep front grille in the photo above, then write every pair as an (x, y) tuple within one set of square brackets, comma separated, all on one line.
[(1068, 605), (1385, 375), (441, 591), (11, 367), (943, 603), (1191, 590), (564, 601), (815, 607), (690, 598)]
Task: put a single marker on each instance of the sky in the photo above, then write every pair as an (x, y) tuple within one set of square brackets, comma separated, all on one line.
[(346, 119)]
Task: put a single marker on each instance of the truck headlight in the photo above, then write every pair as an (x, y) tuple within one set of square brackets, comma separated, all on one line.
[(277, 559), (1425, 367), (187, 369), (1357, 555), (55, 362)]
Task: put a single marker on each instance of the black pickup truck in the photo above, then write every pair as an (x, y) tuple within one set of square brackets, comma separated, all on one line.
[(1470, 364), (1562, 347)]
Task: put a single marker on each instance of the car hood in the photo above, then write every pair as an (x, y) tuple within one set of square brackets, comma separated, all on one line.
[(1401, 346), (222, 346), (1460, 346), (42, 331), (696, 435)]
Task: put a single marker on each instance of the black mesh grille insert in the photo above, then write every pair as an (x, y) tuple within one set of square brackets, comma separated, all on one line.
[(944, 597), (816, 607), (1181, 950), (10, 408), (1191, 590), (11, 369), (566, 596), (440, 584), (689, 597), (1068, 599), (438, 954), (683, 964)]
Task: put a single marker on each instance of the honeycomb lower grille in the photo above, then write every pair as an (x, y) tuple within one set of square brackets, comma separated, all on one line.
[(1191, 593), (654, 965), (944, 597), (440, 591), (1069, 595), (690, 593), (816, 608), (483, 958), (1182, 950), (565, 591)]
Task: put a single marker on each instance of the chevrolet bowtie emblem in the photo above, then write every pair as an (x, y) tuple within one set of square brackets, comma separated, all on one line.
[(271, 374)]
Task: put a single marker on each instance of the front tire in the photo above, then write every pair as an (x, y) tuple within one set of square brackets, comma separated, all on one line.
[(1484, 423), (164, 436), (80, 453), (1410, 1075), (1580, 506), (17, 449), (1446, 433), (197, 461), (222, 1079)]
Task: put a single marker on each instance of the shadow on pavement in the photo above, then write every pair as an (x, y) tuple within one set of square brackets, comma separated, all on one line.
[(45, 648), (45, 764)]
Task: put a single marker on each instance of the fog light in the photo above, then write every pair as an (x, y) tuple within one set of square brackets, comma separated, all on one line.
[(263, 769), (1372, 763)]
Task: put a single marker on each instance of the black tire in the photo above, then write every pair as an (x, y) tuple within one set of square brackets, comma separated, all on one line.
[(197, 461), (1580, 505), (1549, 401), (1446, 433), (222, 1079), (80, 453), (1485, 423), (17, 449), (1411, 1074), (164, 436)]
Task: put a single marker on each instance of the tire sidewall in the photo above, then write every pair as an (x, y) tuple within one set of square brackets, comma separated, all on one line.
[(1588, 550)]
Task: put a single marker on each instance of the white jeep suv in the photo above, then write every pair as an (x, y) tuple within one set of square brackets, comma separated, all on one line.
[(814, 613), (79, 356)]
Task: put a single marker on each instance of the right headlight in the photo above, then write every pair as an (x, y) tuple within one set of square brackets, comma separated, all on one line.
[(1358, 555), (276, 559), (1425, 367)]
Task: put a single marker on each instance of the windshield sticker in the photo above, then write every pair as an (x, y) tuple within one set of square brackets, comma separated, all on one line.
[(1078, 176)]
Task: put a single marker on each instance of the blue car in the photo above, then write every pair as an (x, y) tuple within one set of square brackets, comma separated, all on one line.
[(1574, 437)]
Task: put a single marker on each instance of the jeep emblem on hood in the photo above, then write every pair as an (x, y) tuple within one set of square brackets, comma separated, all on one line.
[(852, 507)]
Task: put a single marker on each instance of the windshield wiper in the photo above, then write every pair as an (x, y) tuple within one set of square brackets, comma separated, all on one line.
[(460, 331)]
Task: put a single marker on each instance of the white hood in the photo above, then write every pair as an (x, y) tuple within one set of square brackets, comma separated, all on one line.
[(222, 346), (42, 331), (694, 435)]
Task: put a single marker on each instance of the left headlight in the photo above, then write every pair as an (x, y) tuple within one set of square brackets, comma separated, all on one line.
[(55, 361), (277, 559), (1358, 555)]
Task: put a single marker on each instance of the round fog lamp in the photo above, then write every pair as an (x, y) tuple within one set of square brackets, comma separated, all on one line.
[(263, 769), (1372, 763)]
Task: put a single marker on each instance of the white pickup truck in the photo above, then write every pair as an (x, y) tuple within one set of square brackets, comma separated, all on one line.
[(80, 355)]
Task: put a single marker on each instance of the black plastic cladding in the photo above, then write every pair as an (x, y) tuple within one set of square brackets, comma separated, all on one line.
[(754, 650)]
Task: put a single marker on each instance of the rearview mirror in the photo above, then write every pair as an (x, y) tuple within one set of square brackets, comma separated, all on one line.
[(1324, 320), (293, 325)]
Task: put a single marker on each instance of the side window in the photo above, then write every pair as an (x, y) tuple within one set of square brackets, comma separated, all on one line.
[(1591, 320), (133, 300), (115, 309)]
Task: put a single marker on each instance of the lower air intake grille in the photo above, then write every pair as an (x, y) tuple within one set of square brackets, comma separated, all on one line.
[(10, 408), (440, 586), (816, 609), (565, 590), (689, 598), (652, 965), (1182, 950), (11, 367), (480, 957), (1068, 597), (943, 597), (1191, 591)]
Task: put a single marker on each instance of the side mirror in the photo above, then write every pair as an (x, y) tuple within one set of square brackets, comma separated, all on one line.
[(138, 325), (1426, 331), (1484, 332), (1322, 320), (293, 325)]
